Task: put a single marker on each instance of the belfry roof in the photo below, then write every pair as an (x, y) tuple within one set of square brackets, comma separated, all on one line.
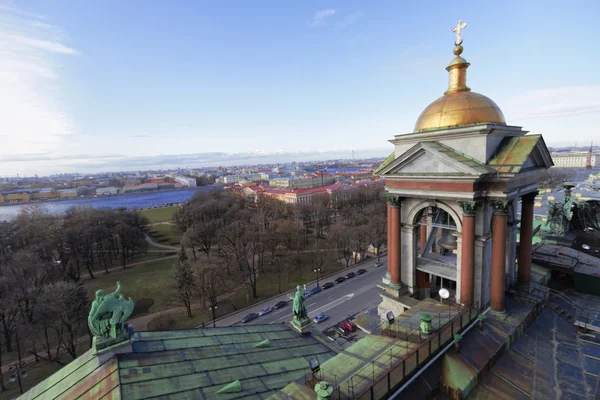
[(190, 364)]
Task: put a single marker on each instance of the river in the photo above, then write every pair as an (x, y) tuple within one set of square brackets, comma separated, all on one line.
[(129, 201)]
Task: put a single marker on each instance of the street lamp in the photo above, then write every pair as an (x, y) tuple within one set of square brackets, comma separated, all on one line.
[(213, 312), (317, 270)]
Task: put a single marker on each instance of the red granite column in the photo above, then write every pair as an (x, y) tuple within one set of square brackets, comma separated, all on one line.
[(526, 238), (390, 252), (499, 221), (396, 264), (467, 253), (423, 234)]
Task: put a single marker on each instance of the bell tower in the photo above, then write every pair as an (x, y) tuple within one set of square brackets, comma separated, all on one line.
[(459, 188)]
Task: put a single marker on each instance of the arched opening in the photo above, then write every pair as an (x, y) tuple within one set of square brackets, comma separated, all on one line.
[(437, 247)]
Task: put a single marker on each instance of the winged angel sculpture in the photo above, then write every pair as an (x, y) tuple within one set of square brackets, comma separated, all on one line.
[(108, 314)]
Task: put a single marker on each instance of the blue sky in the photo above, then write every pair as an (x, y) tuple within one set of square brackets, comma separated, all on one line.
[(86, 84)]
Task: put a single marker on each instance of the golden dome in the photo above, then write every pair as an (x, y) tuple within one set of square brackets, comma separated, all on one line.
[(459, 106)]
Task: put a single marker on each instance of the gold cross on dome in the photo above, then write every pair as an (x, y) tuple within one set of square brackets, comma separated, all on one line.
[(459, 26)]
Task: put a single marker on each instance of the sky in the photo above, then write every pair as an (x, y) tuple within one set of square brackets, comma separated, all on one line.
[(90, 86)]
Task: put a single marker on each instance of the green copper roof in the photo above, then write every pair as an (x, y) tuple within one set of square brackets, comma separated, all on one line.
[(190, 364), (513, 153), (385, 162)]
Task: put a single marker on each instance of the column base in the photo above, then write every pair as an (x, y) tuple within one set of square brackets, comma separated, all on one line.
[(386, 279), (396, 290), (498, 314)]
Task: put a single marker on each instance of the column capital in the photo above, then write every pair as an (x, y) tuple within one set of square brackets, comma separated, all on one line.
[(393, 200), (500, 207), (529, 198), (468, 207)]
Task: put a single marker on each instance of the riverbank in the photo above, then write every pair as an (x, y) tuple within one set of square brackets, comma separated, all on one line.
[(130, 201)]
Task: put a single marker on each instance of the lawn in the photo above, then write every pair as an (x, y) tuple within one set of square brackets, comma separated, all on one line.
[(166, 234), (164, 214), (267, 287), (147, 281)]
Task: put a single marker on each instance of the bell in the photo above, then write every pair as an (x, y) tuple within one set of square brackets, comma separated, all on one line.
[(448, 241)]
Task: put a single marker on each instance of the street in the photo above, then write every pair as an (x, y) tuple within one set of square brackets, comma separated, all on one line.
[(339, 302)]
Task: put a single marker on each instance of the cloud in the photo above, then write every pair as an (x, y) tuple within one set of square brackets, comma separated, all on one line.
[(320, 16), (555, 102), (34, 117), (351, 19), (139, 136)]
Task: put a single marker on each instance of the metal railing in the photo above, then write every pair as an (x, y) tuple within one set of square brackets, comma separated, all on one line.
[(397, 364)]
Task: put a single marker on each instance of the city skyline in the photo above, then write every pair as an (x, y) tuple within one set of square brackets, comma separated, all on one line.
[(88, 86)]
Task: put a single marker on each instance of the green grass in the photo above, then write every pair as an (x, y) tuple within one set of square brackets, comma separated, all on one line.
[(165, 234), (163, 214), (151, 280)]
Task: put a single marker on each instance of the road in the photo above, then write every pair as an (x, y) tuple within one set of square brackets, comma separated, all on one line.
[(339, 302)]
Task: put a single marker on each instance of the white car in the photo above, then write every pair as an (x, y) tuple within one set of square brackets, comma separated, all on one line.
[(265, 310)]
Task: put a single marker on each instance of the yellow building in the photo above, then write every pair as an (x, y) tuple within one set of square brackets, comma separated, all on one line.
[(45, 195), (16, 197), (1, 198)]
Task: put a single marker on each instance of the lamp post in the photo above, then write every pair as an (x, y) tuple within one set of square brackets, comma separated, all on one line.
[(213, 311), (317, 270)]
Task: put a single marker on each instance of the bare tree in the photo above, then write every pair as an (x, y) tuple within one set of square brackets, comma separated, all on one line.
[(67, 304), (341, 238), (210, 286), (185, 283)]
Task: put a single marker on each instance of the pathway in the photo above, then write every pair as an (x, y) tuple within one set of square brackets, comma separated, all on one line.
[(160, 246)]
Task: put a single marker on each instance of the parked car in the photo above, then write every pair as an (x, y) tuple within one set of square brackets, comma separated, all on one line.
[(378, 264), (341, 330), (340, 279), (280, 304), (249, 317), (361, 271), (265, 310), (315, 290), (307, 294), (348, 325), (320, 318), (350, 275), (327, 285)]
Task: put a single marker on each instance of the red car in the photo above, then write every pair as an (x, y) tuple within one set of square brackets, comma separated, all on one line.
[(350, 326)]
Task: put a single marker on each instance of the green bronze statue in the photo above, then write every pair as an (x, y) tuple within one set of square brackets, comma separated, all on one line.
[(560, 214), (300, 313), (108, 314)]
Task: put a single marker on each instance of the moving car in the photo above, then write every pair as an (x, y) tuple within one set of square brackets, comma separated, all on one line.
[(350, 275), (320, 318), (315, 290), (280, 304), (348, 325), (327, 285), (340, 279), (361, 271), (265, 310), (249, 317)]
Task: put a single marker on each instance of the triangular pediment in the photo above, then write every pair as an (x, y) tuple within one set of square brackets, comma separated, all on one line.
[(433, 158)]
